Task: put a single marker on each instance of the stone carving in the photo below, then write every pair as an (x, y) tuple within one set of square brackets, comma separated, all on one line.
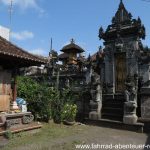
[(101, 33), (130, 105), (2, 120), (122, 15), (96, 94), (27, 119), (95, 90), (12, 122)]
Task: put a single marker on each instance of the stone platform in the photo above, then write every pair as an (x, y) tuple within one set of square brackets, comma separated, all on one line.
[(17, 122), (138, 127)]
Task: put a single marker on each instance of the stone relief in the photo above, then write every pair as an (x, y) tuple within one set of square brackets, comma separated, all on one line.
[(12, 122), (27, 119)]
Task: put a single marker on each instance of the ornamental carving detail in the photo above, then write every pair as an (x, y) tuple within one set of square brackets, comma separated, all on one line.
[(12, 122), (27, 119)]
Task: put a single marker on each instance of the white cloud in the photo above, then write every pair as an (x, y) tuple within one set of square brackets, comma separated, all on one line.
[(24, 4), (38, 51), (23, 35)]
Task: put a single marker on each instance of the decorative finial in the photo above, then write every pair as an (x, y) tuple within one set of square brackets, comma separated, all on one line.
[(72, 41), (51, 46), (89, 58), (101, 33), (100, 48), (121, 3)]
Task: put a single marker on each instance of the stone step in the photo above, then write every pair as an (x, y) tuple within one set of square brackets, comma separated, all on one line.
[(116, 97), (113, 105), (111, 116), (26, 127), (107, 123), (114, 100), (112, 110)]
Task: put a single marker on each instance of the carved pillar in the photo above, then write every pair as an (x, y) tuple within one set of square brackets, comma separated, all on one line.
[(15, 89), (13, 105)]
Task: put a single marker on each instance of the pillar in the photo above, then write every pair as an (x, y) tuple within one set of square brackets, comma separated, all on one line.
[(13, 105)]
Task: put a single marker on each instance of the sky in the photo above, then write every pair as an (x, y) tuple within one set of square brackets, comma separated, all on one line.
[(35, 22)]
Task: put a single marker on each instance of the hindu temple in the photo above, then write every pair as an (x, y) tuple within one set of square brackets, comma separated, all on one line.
[(124, 71), (116, 78), (114, 83)]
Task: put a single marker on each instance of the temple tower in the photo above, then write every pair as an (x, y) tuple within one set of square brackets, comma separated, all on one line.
[(122, 41), (70, 52), (120, 73)]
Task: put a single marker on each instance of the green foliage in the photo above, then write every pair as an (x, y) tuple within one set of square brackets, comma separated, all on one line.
[(8, 134), (69, 112), (38, 97), (27, 88), (61, 98), (56, 106), (43, 101)]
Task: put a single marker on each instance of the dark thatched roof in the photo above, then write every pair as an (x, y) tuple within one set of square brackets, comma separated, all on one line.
[(11, 53), (63, 56), (72, 47)]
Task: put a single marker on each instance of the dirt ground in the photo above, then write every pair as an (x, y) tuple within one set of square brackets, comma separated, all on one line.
[(60, 137)]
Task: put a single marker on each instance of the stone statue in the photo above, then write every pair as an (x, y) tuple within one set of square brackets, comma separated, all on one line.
[(130, 105), (95, 85), (131, 90), (96, 94)]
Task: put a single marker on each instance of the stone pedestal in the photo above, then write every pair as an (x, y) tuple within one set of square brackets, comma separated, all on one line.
[(96, 103), (130, 119), (145, 103), (95, 113), (95, 94), (130, 116), (16, 120)]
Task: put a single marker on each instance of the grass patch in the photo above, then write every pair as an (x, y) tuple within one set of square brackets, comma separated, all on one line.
[(49, 137)]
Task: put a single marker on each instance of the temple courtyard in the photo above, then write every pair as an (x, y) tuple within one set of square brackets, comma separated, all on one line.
[(60, 137), (110, 87)]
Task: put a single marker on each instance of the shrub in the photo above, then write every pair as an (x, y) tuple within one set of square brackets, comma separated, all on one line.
[(43, 101), (38, 97), (8, 134), (61, 98), (57, 104), (69, 112)]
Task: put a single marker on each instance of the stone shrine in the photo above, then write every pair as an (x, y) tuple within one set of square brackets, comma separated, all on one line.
[(125, 76)]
